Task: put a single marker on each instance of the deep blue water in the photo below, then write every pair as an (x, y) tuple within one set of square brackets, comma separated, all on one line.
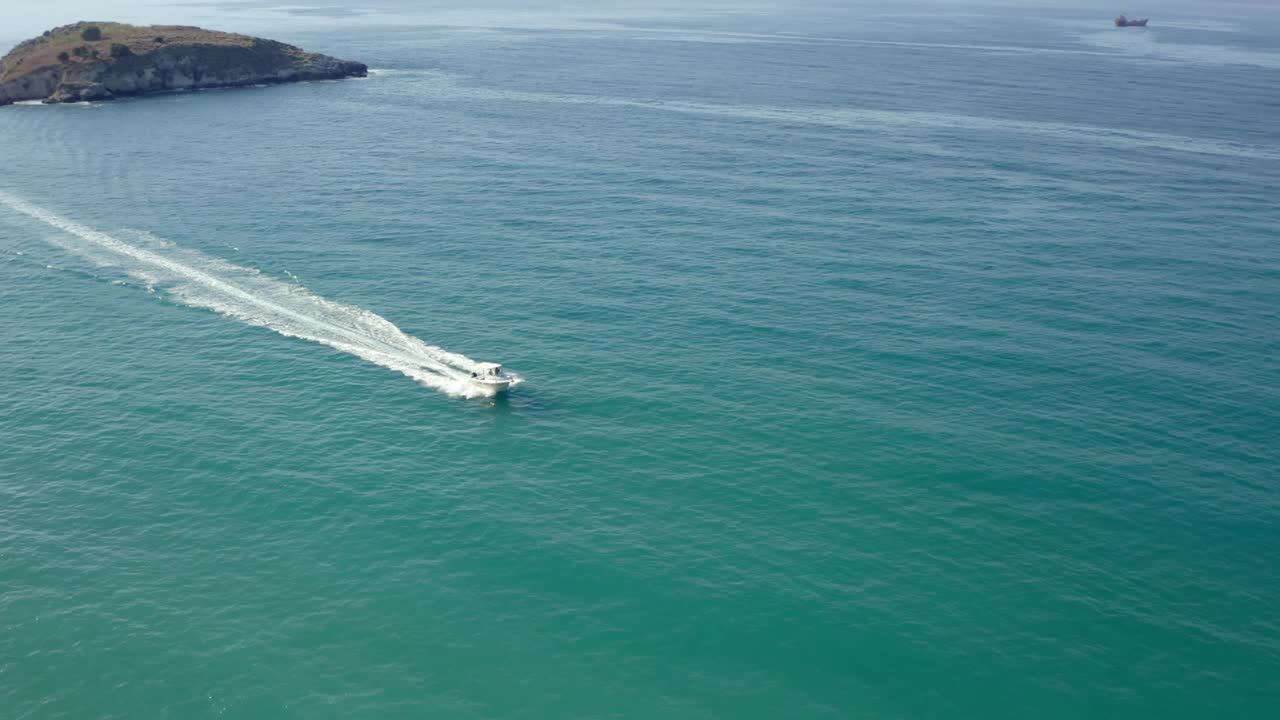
[(880, 363)]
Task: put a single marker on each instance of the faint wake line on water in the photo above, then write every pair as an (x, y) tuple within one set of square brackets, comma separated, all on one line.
[(1116, 46), (198, 280), (803, 38), (860, 118), (1148, 45)]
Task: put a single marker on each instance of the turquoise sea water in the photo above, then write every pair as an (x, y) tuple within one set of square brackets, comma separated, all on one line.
[(879, 363)]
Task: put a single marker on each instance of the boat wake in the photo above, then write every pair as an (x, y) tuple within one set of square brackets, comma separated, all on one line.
[(246, 294), (895, 123)]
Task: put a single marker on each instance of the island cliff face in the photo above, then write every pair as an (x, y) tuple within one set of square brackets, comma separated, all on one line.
[(100, 61)]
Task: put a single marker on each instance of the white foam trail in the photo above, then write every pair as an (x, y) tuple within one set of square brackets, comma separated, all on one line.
[(248, 295)]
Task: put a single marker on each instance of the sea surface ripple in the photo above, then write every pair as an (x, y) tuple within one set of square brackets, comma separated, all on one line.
[(876, 368)]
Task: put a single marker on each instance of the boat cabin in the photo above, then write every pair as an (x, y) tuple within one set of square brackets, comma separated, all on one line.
[(487, 370)]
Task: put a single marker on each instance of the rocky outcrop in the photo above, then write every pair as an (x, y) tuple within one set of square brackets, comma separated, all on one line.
[(66, 65)]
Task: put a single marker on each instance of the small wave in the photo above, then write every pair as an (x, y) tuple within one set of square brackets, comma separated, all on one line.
[(41, 103)]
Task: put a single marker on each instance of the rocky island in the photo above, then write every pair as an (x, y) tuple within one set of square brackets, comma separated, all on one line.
[(100, 61)]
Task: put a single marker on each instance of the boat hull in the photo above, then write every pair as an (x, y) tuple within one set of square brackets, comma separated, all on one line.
[(489, 389)]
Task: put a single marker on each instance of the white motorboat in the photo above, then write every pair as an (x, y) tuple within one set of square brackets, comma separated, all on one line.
[(490, 379)]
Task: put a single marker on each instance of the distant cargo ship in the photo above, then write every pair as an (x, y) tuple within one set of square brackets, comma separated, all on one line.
[(1123, 21)]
